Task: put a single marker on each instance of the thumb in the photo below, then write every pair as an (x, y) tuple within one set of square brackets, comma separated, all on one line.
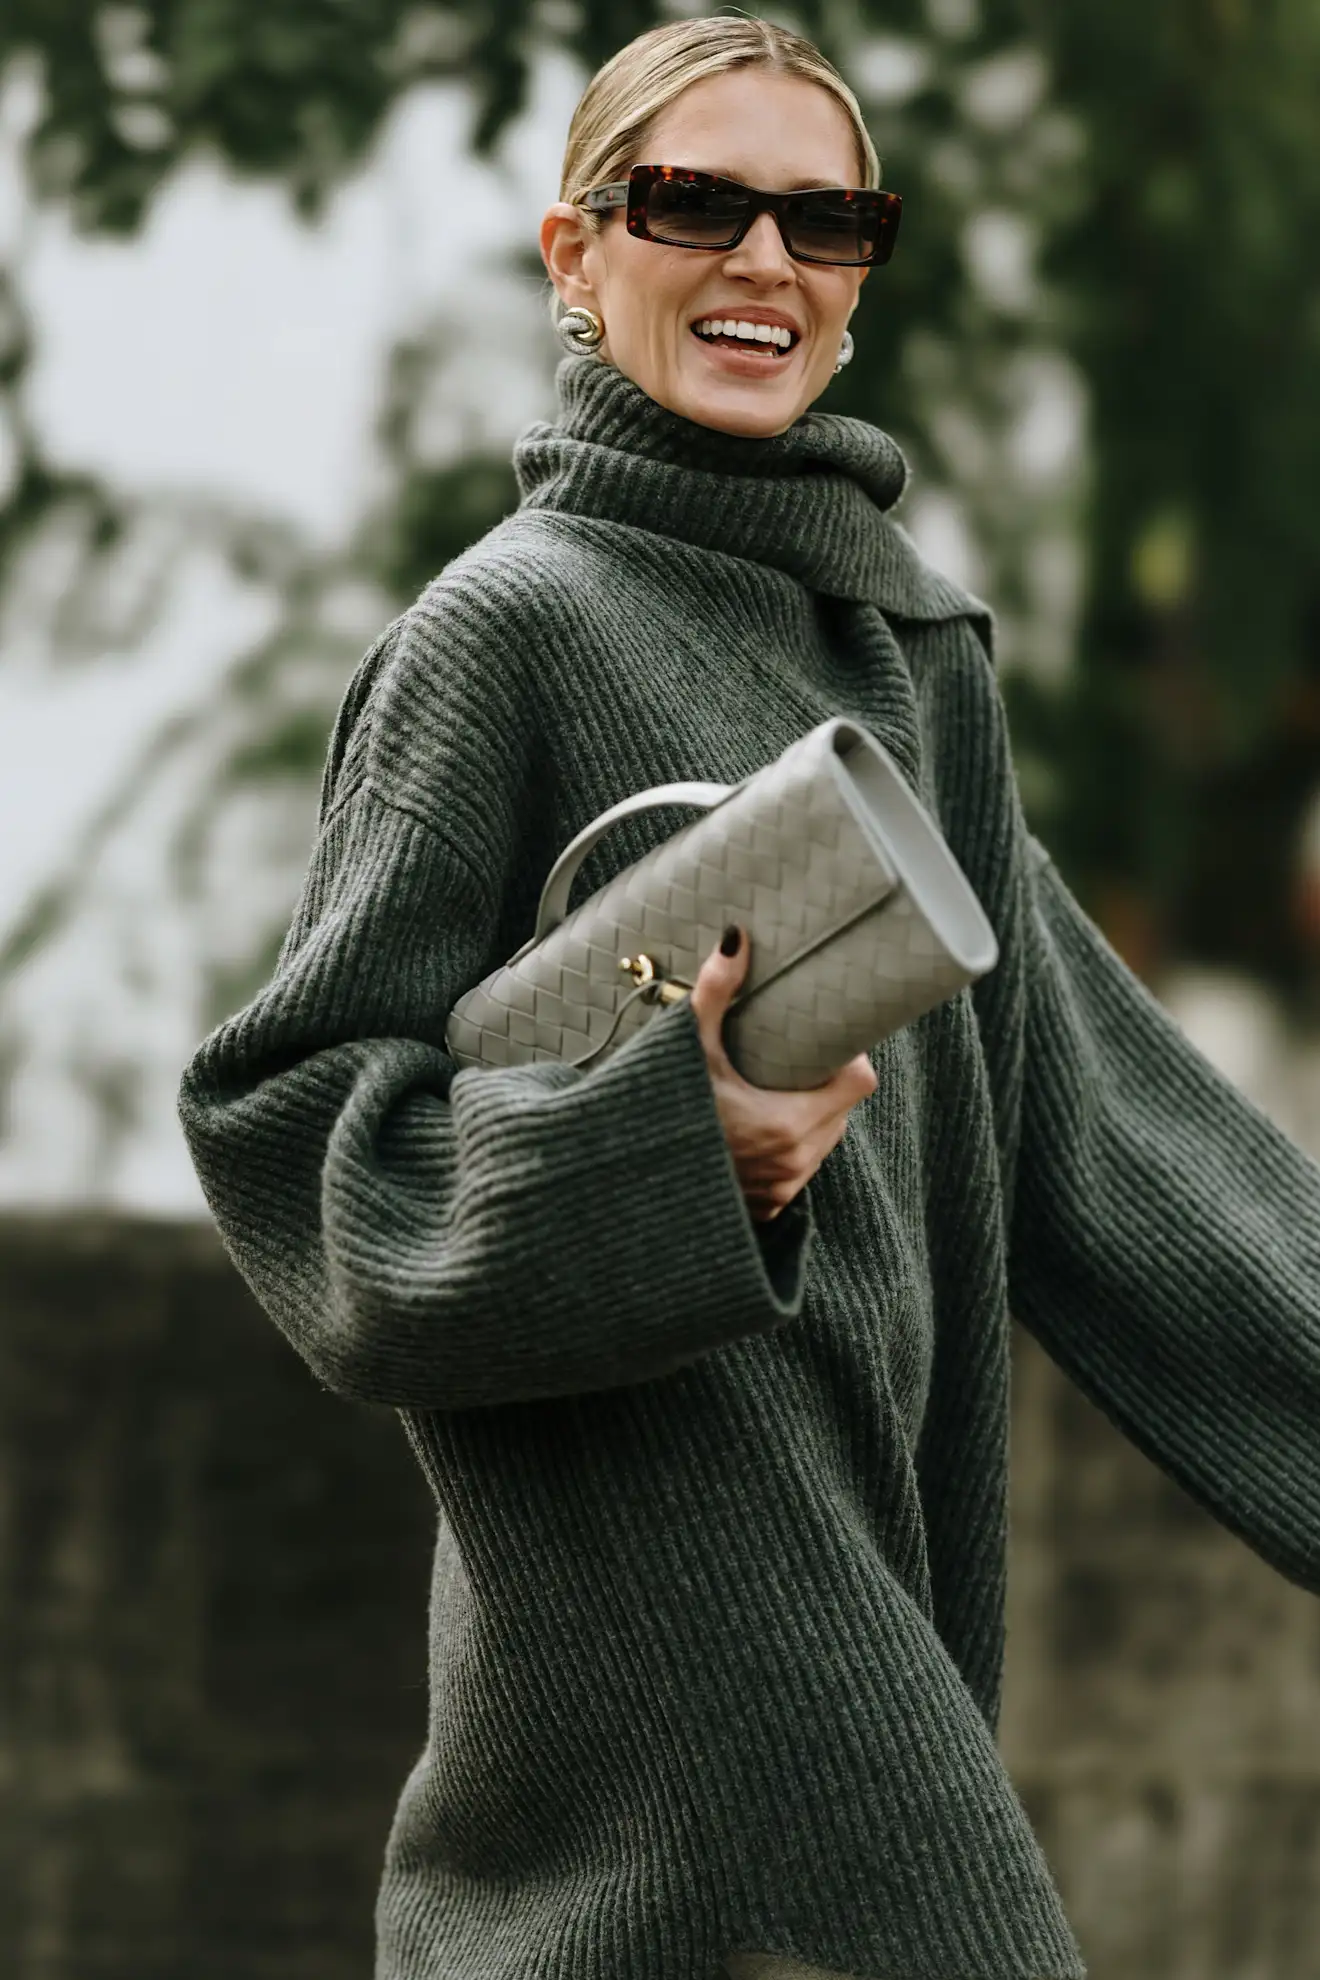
[(718, 980)]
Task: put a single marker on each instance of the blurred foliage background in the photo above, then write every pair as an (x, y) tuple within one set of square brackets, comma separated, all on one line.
[(1099, 344)]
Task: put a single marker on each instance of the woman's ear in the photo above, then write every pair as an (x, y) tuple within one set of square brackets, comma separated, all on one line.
[(563, 245)]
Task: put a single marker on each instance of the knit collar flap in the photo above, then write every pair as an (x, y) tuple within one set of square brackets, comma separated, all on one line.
[(811, 501)]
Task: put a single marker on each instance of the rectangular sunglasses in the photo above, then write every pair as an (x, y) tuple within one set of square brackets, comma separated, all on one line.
[(845, 226)]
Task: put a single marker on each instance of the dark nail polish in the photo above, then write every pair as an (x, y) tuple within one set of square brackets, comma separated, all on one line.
[(730, 940)]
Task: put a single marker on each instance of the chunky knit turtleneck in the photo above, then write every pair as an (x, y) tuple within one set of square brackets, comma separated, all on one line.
[(717, 1614), (810, 501)]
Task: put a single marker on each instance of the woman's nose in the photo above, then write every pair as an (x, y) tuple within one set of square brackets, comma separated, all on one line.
[(762, 247)]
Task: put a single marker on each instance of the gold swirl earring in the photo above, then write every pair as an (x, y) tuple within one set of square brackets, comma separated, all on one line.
[(580, 331)]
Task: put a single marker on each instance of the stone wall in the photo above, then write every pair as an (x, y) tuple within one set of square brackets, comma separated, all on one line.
[(212, 1652), (212, 1595), (1162, 1708)]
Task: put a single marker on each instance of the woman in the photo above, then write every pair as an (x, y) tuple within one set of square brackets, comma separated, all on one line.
[(711, 1384)]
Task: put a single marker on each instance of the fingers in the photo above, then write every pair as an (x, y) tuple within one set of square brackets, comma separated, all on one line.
[(765, 1208), (823, 1105), (864, 1074), (851, 1083), (778, 1139), (719, 978)]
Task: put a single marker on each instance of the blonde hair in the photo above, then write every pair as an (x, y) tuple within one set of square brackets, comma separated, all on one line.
[(612, 123)]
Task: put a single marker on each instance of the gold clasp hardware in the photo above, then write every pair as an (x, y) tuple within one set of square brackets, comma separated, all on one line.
[(667, 989)]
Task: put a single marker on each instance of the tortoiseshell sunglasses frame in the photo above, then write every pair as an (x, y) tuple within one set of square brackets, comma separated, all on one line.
[(634, 192)]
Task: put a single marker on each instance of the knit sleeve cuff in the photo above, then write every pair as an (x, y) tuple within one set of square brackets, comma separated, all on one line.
[(598, 1234)]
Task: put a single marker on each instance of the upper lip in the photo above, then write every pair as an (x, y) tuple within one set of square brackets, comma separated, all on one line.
[(740, 314)]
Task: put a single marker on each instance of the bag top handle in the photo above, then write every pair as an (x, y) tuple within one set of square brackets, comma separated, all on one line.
[(706, 797), (559, 885)]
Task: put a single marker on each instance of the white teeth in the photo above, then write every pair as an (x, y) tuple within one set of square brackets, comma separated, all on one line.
[(763, 333)]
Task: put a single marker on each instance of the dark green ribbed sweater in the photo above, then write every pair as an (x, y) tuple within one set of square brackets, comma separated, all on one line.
[(717, 1615)]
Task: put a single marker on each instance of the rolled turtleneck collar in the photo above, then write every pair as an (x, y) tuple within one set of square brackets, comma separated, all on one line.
[(812, 501)]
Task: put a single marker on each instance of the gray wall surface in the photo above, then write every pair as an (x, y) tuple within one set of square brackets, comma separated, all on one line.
[(213, 1581)]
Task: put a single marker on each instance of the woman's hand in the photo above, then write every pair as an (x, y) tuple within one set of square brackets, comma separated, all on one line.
[(777, 1139)]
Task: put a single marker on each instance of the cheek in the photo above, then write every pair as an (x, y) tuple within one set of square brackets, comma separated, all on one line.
[(655, 291), (673, 296), (833, 300)]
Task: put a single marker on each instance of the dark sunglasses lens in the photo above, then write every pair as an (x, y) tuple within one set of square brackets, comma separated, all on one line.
[(832, 229), (693, 215)]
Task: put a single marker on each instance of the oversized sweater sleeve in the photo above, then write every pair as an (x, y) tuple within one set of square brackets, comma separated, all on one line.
[(434, 1238), (1165, 1243)]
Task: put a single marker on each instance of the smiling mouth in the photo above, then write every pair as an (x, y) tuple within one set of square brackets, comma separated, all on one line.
[(774, 342)]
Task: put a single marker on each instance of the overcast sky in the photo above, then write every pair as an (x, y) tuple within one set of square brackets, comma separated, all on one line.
[(230, 347)]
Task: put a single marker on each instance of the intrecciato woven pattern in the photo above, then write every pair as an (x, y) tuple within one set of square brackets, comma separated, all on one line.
[(842, 953)]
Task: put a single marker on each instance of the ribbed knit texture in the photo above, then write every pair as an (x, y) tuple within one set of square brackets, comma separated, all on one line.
[(717, 1616)]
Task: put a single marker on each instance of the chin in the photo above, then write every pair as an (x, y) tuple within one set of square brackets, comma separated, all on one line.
[(754, 415)]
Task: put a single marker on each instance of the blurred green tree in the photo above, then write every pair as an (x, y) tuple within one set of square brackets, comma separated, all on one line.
[(1193, 286)]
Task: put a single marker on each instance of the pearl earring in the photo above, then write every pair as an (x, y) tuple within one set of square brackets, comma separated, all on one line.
[(846, 349), (580, 331)]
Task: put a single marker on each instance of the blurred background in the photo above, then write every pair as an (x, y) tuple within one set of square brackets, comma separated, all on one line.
[(271, 316)]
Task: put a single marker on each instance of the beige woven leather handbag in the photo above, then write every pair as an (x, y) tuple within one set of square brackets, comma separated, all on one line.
[(859, 916)]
